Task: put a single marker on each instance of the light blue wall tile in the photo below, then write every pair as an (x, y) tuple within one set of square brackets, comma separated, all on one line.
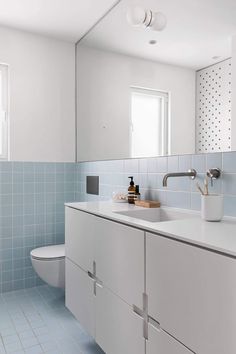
[(214, 160), (179, 184), (229, 162), (173, 163), (162, 164), (143, 180), (152, 165), (143, 166), (230, 205), (119, 166), (153, 194), (150, 175), (196, 201), (50, 168), (178, 199), (229, 184), (185, 162), (106, 191), (152, 181), (6, 177), (17, 178), (6, 166), (161, 197), (49, 178), (17, 167), (31, 196), (6, 188), (199, 163), (131, 166), (117, 179), (28, 167), (28, 178)]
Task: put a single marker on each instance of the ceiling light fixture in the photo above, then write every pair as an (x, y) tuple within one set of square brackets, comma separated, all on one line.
[(139, 17)]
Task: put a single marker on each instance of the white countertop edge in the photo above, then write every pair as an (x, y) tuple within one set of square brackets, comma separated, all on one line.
[(215, 236)]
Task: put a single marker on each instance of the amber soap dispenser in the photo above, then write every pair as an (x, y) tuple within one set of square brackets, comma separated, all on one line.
[(131, 191)]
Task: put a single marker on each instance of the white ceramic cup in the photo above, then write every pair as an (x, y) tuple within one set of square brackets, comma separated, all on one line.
[(212, 207)]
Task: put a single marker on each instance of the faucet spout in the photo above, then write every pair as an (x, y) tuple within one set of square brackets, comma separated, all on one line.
[(190, 173)]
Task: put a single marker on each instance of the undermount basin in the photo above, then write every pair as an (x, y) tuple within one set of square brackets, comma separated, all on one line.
[(156, 214)]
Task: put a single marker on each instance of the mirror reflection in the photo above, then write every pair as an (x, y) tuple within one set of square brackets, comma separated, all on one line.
[(156, 79)]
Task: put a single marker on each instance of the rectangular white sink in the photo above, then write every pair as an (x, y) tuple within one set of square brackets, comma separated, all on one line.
[(156, 214)]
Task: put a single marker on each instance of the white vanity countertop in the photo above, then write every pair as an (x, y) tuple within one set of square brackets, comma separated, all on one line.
[(218, 236)]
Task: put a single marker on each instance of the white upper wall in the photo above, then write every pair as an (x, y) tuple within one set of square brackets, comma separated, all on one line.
[(233, 117), (42, 81), (104, 80)]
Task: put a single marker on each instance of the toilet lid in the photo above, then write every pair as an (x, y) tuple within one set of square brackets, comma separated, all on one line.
[(49, 252)]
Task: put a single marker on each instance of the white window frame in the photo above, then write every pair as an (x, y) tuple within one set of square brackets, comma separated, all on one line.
[(4, 111), (164, 147)]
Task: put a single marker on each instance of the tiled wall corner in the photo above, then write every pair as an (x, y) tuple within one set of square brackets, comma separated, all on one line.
[(32, 197)]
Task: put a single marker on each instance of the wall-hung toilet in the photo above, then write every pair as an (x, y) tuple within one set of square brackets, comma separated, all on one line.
[(49, 263)]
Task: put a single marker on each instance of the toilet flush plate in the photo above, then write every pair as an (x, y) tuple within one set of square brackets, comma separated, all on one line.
[(92, 185)]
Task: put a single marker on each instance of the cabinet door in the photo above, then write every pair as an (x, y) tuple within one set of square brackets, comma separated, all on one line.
[(79, 296), (79, 231), (118, 328), (159, 342), (192, 294), (119, 256)]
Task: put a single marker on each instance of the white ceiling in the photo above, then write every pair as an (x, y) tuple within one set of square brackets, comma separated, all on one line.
[(196, 31), (63, 19)]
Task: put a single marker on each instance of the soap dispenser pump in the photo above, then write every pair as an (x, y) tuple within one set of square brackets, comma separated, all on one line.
[(131, 191)]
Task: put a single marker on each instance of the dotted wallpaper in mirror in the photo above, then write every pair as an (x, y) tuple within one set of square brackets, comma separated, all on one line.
[(213, 114)]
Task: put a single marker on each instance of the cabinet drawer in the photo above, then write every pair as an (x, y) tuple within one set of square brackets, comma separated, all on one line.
[(192, 294), (79, 296), (79, 231), (159, 342), (118, 329), (119, 256)]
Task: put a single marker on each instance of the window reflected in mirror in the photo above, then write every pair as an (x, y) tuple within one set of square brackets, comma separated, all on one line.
[(149, 122)]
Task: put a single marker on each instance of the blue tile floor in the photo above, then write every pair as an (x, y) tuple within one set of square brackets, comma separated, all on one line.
[(36, 321)]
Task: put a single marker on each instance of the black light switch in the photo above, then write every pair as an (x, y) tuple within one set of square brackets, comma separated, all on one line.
[(92, 185)]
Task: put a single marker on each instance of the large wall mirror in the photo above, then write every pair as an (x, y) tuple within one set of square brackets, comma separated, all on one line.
[(144, 92)]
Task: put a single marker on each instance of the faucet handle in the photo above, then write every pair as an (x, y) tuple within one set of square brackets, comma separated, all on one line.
[(213, 173)]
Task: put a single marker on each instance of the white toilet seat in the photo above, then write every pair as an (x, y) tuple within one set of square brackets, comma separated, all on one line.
[(48, 253), (49, 264)]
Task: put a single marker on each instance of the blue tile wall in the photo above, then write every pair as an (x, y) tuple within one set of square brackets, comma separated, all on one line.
[(32, 197), (148, 173)]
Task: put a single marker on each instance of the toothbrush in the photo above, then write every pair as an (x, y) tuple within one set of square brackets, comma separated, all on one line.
[(205, 186), (199, 188)]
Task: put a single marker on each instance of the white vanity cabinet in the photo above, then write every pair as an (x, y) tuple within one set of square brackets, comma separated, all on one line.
[(138, 292), (105, 278), (192, 294), (113, 252)]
